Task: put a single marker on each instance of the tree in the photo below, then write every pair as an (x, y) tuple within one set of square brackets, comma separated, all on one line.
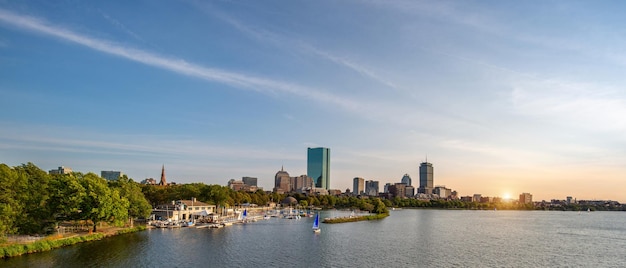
[(66, 197), (33, 196), (102, 203), (9, 206), (379, 206), (138, 206)]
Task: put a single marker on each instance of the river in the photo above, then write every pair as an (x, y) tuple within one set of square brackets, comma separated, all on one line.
[(408, 238)]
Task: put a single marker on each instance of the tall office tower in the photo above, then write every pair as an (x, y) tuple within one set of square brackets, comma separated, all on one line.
[(406, 179), (371, 188), (426, 178), (282, 182), (318, 166), (111, 175), (358, 186)]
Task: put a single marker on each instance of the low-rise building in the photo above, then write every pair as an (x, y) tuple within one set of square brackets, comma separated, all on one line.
[(60, 170), (183, 210)]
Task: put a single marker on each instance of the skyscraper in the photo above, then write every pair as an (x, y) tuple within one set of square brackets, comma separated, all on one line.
[(406, 179), (426, 178), (358, 186), (371, 188), (282, 182), (318, 166)]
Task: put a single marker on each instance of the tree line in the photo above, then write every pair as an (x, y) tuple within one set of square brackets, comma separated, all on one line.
[(226, 197), (35, 202)]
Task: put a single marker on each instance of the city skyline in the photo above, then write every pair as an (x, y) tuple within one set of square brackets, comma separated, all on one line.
[(504, 98)]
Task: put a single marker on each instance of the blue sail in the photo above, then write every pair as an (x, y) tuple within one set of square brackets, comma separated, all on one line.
[(316, 223)]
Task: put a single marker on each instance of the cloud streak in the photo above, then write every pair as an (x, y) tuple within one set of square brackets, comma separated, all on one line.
[(173, 64), (279, 40)]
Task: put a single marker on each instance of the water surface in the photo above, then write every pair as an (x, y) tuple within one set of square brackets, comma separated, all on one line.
[(408, 238)]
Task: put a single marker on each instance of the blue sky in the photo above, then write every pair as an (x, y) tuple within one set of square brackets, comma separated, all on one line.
[(503, 97)]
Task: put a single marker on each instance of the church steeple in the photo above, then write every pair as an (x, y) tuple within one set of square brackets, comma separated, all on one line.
[(163, 182)]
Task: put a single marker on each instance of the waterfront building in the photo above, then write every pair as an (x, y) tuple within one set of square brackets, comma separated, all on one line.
[(569, 200), (371, 188), (477, 198), (250, 181), (318, 166), (406, 179), (111, 175), (183, 210), (358, 186), (525, 198), (61, 170), (426, 178)]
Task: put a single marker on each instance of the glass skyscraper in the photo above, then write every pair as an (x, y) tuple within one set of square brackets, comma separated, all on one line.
[(426, 178), (318, 166)]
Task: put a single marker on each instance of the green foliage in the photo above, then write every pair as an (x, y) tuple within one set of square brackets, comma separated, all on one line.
[(102, 203), (355, 219), (67, 194), (11, 184), (45, 245), (139, 207), (33, 196), (131, 230)]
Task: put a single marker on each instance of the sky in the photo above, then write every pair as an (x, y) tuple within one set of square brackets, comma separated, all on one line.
[(502, 97)]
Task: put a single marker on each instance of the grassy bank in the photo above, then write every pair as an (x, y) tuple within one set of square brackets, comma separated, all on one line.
[(52, 242), (359, 218)]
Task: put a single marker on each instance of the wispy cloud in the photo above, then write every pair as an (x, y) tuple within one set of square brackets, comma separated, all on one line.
[(120, 26), (25, 137), (275, 39), (174, 64)]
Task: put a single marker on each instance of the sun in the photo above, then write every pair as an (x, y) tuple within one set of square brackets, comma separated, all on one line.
[(507, 196)]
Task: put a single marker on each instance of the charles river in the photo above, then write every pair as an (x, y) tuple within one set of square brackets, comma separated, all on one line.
[(408, 238)]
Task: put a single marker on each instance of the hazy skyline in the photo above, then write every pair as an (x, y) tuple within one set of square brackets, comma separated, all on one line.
[(502, 97)]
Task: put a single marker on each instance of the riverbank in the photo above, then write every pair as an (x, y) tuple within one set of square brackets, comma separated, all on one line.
[(356, 218), (54, 241)]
